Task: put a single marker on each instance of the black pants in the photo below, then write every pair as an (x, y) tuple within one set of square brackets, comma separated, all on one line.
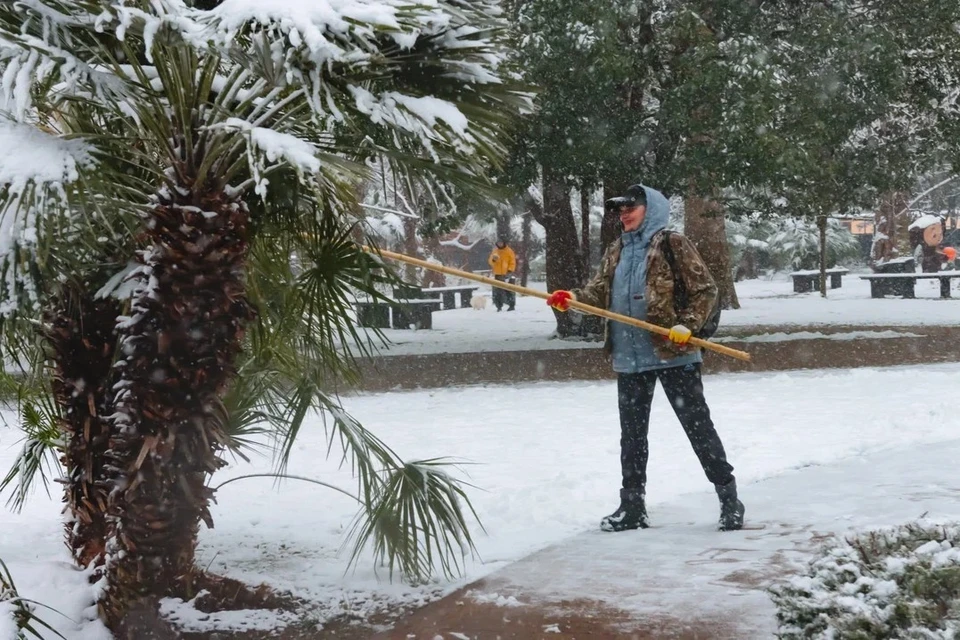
[(684, 389), (502, 296)]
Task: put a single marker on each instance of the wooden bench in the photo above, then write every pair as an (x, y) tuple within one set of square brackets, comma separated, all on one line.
[(414, 314), (449, 295), (407, 292), (805, 281), (374, 315), (405, 314), (897, 265), (902, 284)]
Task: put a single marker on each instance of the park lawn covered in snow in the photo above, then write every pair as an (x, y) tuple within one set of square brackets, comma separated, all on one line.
[(544, 461), (767, 306)]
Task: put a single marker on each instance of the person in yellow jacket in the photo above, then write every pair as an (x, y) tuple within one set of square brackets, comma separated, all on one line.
[(503, 262)]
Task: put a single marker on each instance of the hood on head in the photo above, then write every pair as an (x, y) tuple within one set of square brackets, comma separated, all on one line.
[(657, 216)]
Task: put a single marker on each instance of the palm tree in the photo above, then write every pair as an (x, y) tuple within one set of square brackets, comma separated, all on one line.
[(187, 154)]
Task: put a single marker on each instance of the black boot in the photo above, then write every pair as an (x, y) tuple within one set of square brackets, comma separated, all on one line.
[(632, 513), (731, 509)]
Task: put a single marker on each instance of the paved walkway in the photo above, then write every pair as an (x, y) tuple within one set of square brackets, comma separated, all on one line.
[(683, 580)]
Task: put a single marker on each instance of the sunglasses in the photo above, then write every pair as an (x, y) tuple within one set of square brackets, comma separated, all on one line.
[(621, 204)]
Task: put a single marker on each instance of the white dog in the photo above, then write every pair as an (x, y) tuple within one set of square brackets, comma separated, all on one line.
[(478, 302)]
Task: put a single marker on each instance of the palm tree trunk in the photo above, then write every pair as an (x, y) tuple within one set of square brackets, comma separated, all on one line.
[(81, 335), (179, 347)]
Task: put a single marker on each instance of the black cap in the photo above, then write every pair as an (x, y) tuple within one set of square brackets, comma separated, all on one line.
[(634, 196)]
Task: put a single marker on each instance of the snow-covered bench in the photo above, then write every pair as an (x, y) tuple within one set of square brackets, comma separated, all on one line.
[(804, 281), (902, 284)]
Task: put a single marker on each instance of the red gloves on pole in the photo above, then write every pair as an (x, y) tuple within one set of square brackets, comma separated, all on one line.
[(560, 300)]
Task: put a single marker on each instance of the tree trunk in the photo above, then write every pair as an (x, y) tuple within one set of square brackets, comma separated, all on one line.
[(585, 228), (564, 263), (610, 228), (704, 225), (179, 347), (747, 268), (822, 227), (524, 258), (82, 339), (886, 229), (411, 247), (903, 220), (503, 226)]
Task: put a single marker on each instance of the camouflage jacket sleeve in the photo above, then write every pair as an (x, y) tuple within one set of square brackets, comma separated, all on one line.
[(701, 288), (596, 293)]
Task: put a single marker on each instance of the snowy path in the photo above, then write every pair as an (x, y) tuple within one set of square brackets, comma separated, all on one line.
[(546, 463), (683, 570)]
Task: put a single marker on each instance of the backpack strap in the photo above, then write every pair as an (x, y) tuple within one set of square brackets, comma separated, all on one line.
[(679, 287)]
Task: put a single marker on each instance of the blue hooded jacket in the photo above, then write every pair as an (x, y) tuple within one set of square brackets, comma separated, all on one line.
[(633, 347)]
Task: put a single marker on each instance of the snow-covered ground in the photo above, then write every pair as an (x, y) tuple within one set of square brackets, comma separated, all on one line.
[(682, 572), (765, 304), (545, 461)]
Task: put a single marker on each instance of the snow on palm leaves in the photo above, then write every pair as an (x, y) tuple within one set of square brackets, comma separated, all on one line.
[(297, 69)]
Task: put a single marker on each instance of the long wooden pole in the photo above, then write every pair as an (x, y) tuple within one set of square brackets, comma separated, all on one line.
[(586, 308)]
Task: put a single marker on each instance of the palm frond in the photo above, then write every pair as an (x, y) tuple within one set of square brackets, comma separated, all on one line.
[(91, 204), (336, 271), (305, 286), (38, 418), (57, 44), (239, 416), (416, 521), (408, 81), (25, 619), (414, 514), (304, 338)]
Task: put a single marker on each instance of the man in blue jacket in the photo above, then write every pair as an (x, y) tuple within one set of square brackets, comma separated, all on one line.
[(636, 279)]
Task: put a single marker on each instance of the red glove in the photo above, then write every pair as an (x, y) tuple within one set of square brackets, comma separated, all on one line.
[(560, 300), (951, 253)]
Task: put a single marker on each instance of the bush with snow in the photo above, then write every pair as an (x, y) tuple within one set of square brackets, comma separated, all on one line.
[(900, 582), (795, 244)]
